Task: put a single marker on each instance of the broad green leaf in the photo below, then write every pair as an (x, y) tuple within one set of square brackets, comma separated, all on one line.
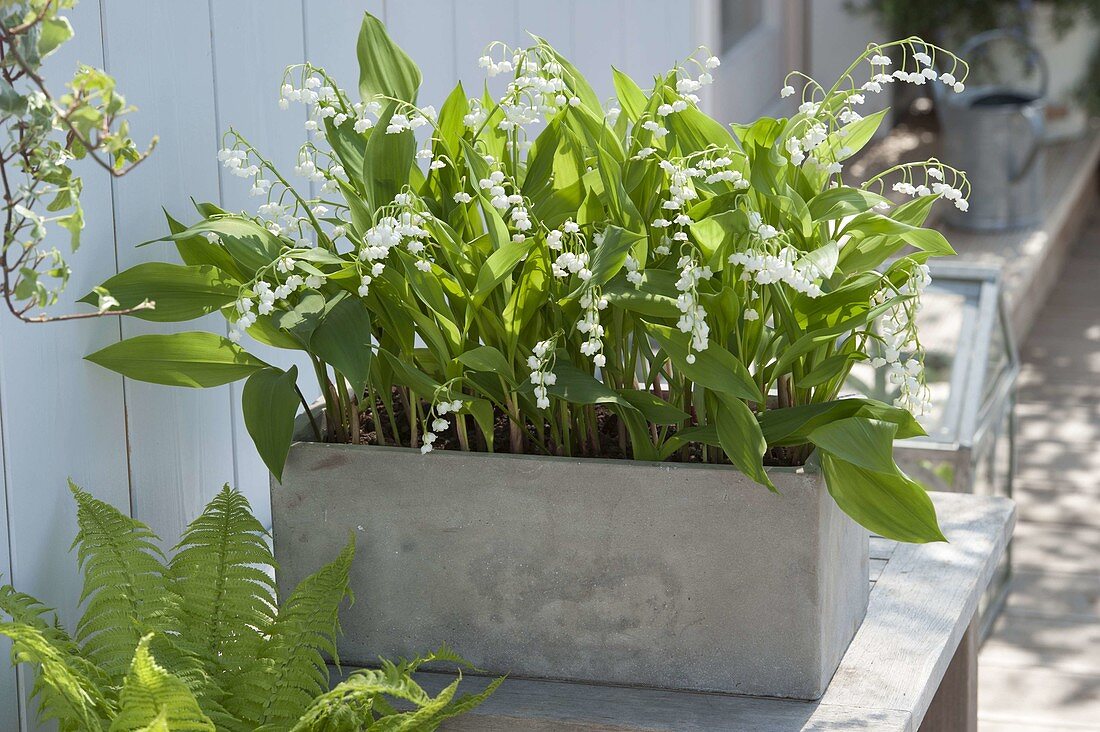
[(836, 203), (384, 69), (868, 443), (342, 339), (609, 257), (715, 368), (498, 267), (387, 160), (198, 250), (719, 230), (194, 359), (490, 360), (632, 100), (741, 439), (51, 34), (249, 244), (654, 408), (655, 296), (793, 425), (180, 292), (891, 505), (270, 402), (577, 387)]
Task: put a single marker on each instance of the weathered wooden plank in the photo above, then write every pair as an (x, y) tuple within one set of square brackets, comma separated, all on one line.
[(181, 440), (62, 417), (922, 604), (254, 41), (954, 707), (425, 30), (1059, 644), (1037, 696), (1042, 593), (545, 706)]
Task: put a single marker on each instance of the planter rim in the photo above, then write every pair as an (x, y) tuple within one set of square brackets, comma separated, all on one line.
[(810, 468)]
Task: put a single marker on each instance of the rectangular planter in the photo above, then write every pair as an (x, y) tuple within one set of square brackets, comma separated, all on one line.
[(657, 574)]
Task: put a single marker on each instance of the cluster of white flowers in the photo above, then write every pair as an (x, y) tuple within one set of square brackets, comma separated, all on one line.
[(539, 88), (403, 227), (541, 362), (693, 318), (633, 271), (410, 119), (573, 257), (718, 171), (288, 279), (938, 188), (901, 350), (765, 268), (496, 185), (280, 218), (438, 423), (323, 101), (687, 85), (593, 302), (236, 162)]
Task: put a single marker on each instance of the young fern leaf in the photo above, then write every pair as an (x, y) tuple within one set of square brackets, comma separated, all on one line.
[(22, 608), (278, 687), (124, 584), (151, 695), (222, 573), (65, 693)]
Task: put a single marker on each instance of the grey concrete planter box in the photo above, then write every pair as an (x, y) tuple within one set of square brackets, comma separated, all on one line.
[(657, 574)]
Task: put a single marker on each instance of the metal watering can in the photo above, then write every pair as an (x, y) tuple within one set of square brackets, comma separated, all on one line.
[(994, 132)]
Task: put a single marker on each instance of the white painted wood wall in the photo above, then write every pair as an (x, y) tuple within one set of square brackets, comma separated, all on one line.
[(193, 68)]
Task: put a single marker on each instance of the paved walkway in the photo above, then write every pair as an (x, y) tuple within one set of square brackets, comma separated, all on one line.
[(1040, 669)]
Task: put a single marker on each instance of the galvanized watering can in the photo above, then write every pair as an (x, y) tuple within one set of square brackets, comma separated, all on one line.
[(994, 132)]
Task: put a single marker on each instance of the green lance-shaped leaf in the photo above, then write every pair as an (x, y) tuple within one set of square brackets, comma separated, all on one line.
[(179, 292), (741, 439), (195, 359), (715, 368), (793, 425), (490, 360), (387, 160), (857, 458), (151, 693), (343, 340), (270, 401), (631, 98), (384, 69), (575, 386), (250, 245), (837, 203)]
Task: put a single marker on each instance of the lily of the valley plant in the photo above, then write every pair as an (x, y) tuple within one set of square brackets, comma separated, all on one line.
[(530, 270)]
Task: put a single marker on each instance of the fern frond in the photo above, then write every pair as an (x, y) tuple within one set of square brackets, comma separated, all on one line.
[(64, 692), (124, 584), (151, 692), (292, 671), (222, 572), (160, 724)]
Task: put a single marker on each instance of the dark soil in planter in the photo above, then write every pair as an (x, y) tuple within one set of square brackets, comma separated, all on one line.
[(609, 440)]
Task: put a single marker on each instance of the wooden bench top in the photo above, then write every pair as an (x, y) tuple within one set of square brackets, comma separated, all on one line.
[(923, 598)]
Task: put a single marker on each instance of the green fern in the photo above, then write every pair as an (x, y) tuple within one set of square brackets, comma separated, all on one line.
[(222, 573), (124, 584), (292, 670), (213, 651), (151, 695), (64, 692)]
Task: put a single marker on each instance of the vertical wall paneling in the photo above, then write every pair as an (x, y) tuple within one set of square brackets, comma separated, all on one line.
[(425, 30), (181, 439), (477, 23), (62, 416), (254, 41), (331, 28), (598, 43)]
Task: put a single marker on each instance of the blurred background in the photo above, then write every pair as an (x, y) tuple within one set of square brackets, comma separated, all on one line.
[(1013, 327)]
